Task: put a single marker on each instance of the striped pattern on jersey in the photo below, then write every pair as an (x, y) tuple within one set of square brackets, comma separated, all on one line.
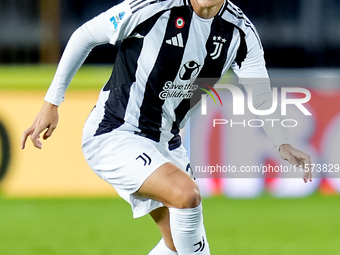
[(137, 5), (150, 86)]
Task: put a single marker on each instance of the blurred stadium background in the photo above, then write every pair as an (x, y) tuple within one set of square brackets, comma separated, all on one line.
[(52, 203)]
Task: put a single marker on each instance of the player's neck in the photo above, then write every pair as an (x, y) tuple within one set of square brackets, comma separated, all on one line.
[(206, 9)]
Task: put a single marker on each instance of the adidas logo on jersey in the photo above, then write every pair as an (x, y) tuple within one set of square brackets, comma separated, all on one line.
[(176, 40)]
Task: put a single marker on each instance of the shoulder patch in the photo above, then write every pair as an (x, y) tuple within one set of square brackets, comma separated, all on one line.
[(116, 19)]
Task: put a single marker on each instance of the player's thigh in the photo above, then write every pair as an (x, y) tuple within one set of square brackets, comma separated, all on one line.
[(171, 186), (123, 159), (179, 157)]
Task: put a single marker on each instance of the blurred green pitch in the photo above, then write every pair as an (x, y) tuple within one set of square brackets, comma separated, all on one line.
[(99, 226), (262, 226)]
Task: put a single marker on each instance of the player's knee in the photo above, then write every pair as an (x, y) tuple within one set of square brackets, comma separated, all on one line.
[(188, 198)]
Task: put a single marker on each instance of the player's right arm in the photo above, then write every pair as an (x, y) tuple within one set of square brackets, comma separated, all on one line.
[(79, 46), (99, 30), (115, 24)]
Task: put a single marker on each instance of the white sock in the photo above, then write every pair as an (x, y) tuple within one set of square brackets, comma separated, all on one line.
[(162, 249), (188, 231)]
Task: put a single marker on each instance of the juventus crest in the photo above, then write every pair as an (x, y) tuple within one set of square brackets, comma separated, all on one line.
[(218, 42)]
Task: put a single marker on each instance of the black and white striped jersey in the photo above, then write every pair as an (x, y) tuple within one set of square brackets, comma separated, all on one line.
[(165, 46)]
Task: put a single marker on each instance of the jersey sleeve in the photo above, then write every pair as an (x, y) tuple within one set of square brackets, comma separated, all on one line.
[(77, 49), (117, 22), (253, 75), (111, 26), (252, 64), (107, 27)]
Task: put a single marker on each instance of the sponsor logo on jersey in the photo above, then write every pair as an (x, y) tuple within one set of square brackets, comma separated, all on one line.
[(116, 19), (189, 70), (176, 40), (171, 90), (218, 42), (179, 22)]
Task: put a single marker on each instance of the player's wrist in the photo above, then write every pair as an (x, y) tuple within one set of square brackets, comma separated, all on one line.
[(283, 146), (51, 105)]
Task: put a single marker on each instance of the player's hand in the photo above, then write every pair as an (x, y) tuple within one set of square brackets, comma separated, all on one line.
[(297, 158), (47, 118)]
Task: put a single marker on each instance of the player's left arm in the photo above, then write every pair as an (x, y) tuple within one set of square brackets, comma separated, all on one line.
[(253, 76)]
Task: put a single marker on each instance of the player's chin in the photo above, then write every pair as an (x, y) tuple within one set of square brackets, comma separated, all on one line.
[(209, 3)]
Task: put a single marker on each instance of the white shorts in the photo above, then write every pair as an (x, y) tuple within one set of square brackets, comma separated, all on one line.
[(126, 160)]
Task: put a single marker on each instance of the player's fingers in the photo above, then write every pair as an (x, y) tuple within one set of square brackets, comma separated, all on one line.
[(292, 160), (35, 137), (290, 155), (49, 132), (305, 158), (307, 176), (310, 177), (307, 163), (25, 135), (304, 161), (36, 142)]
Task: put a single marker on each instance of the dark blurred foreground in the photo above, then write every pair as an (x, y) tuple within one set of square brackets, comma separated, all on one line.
[(295, 33)]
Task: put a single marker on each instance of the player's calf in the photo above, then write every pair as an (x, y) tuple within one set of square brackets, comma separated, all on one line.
[(188, 231), (177, 191)]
